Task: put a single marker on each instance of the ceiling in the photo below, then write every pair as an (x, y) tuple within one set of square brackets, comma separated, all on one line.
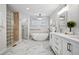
[(34, 9)]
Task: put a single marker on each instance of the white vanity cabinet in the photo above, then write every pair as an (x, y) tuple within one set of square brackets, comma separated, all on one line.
[(62, 45)]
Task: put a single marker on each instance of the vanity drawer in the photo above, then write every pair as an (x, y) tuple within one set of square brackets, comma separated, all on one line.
[(57, 41)]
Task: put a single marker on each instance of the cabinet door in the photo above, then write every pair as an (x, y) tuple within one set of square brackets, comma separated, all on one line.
[(53, 44), (75, 49), (58, 45), (67, 47)]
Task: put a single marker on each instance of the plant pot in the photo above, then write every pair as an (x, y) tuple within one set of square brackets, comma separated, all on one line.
[(69, 33)]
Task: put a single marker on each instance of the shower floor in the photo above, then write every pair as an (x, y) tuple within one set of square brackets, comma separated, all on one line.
[(31, 47)]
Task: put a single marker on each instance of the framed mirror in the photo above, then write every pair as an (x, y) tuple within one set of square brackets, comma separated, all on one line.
[(62, 16)]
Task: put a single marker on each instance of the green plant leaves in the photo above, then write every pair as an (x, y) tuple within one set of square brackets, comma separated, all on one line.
[(71, 24)]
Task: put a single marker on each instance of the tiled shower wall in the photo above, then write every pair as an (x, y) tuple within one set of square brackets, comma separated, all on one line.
[(10, 22)]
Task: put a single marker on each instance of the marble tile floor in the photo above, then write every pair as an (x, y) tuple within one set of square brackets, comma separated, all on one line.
[(31, 47)]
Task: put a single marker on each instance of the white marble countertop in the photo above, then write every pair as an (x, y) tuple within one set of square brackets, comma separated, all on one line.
[(74, 38)]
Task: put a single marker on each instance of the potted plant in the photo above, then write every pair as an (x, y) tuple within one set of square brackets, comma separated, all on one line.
[(71, 24)]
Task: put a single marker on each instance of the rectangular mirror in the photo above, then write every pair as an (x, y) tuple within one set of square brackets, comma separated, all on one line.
[(62, 19)]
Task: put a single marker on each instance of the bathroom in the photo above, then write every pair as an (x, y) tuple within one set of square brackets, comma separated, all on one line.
[(39, 29)]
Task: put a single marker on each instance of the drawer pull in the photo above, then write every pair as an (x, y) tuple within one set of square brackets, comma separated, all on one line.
[(69, 47)]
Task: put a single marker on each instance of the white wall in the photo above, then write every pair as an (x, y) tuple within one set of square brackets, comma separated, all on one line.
[(73, 14), (3, 28), (24, 28), (20, 32)]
